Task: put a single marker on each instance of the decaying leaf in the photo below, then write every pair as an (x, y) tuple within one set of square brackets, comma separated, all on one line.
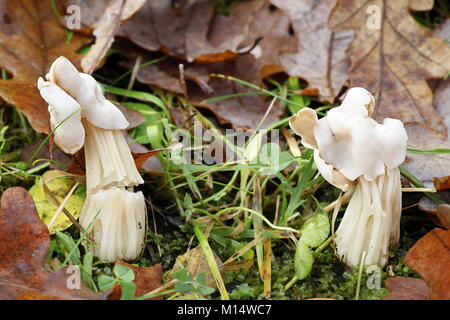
[(25, 242), (194, 261), (146, 279), (60, 186), (195, 32), (134, 118), (243, 109), (441, 183), (320, 58), (392, 56), (442, 101), (60, 158), (105, 18), (426, 167), (443, 214), (430, 257), (440, 211), (406, 288), (32, 38), (272, 27)]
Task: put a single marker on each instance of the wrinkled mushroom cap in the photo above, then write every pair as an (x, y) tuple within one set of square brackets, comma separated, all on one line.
[(65, 112), (348, 143), (87, 92)]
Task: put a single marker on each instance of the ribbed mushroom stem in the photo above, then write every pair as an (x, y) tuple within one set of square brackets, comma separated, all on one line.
[(115, 216), (108, 160), (118, 219), (371, 221)]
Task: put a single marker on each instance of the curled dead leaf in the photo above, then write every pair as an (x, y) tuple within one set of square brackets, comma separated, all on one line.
[(25, 242)]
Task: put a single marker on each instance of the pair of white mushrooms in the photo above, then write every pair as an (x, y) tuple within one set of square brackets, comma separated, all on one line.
[(356, 154), (80, 115)]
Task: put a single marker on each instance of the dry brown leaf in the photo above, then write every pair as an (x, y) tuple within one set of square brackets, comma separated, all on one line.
[(242, 111), (441, 183), (194, 261), (320, 58), (134, 118), (441, 101), (202, 89), (25, 242), (393, 62), (191, 30), (44, 153), (426, 167), (32, 38), (273, 27), (443, 214), (105, 17), (146, 279), (430, 257), (406, 288)]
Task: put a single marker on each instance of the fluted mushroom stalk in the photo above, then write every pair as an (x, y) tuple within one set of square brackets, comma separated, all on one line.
[(81, 115), (119, 220), (353, 150)]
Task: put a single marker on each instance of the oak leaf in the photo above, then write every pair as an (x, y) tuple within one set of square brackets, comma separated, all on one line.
[(393, 56), (25, 243), (32, 38), (320, 58), (430, 257)]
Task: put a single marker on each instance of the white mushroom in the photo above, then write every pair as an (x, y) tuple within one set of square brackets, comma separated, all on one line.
[(65, 112), (85, 89), (110, 167), (350, 148), (119, 223)]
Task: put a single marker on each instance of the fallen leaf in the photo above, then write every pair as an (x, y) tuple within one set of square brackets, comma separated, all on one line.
[(46, 209), (194, 261), (32, 38), (441, 183), (443, 214), (244, 109), (146, 279), (427, 167), (430, 257), (105, 18), (195, 32), (141, 158), (393, 56), (60, 158), (441, 101), (430, 204), (320, 58), (25, 242), (134, 118), (273, 27), (406, 288)]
